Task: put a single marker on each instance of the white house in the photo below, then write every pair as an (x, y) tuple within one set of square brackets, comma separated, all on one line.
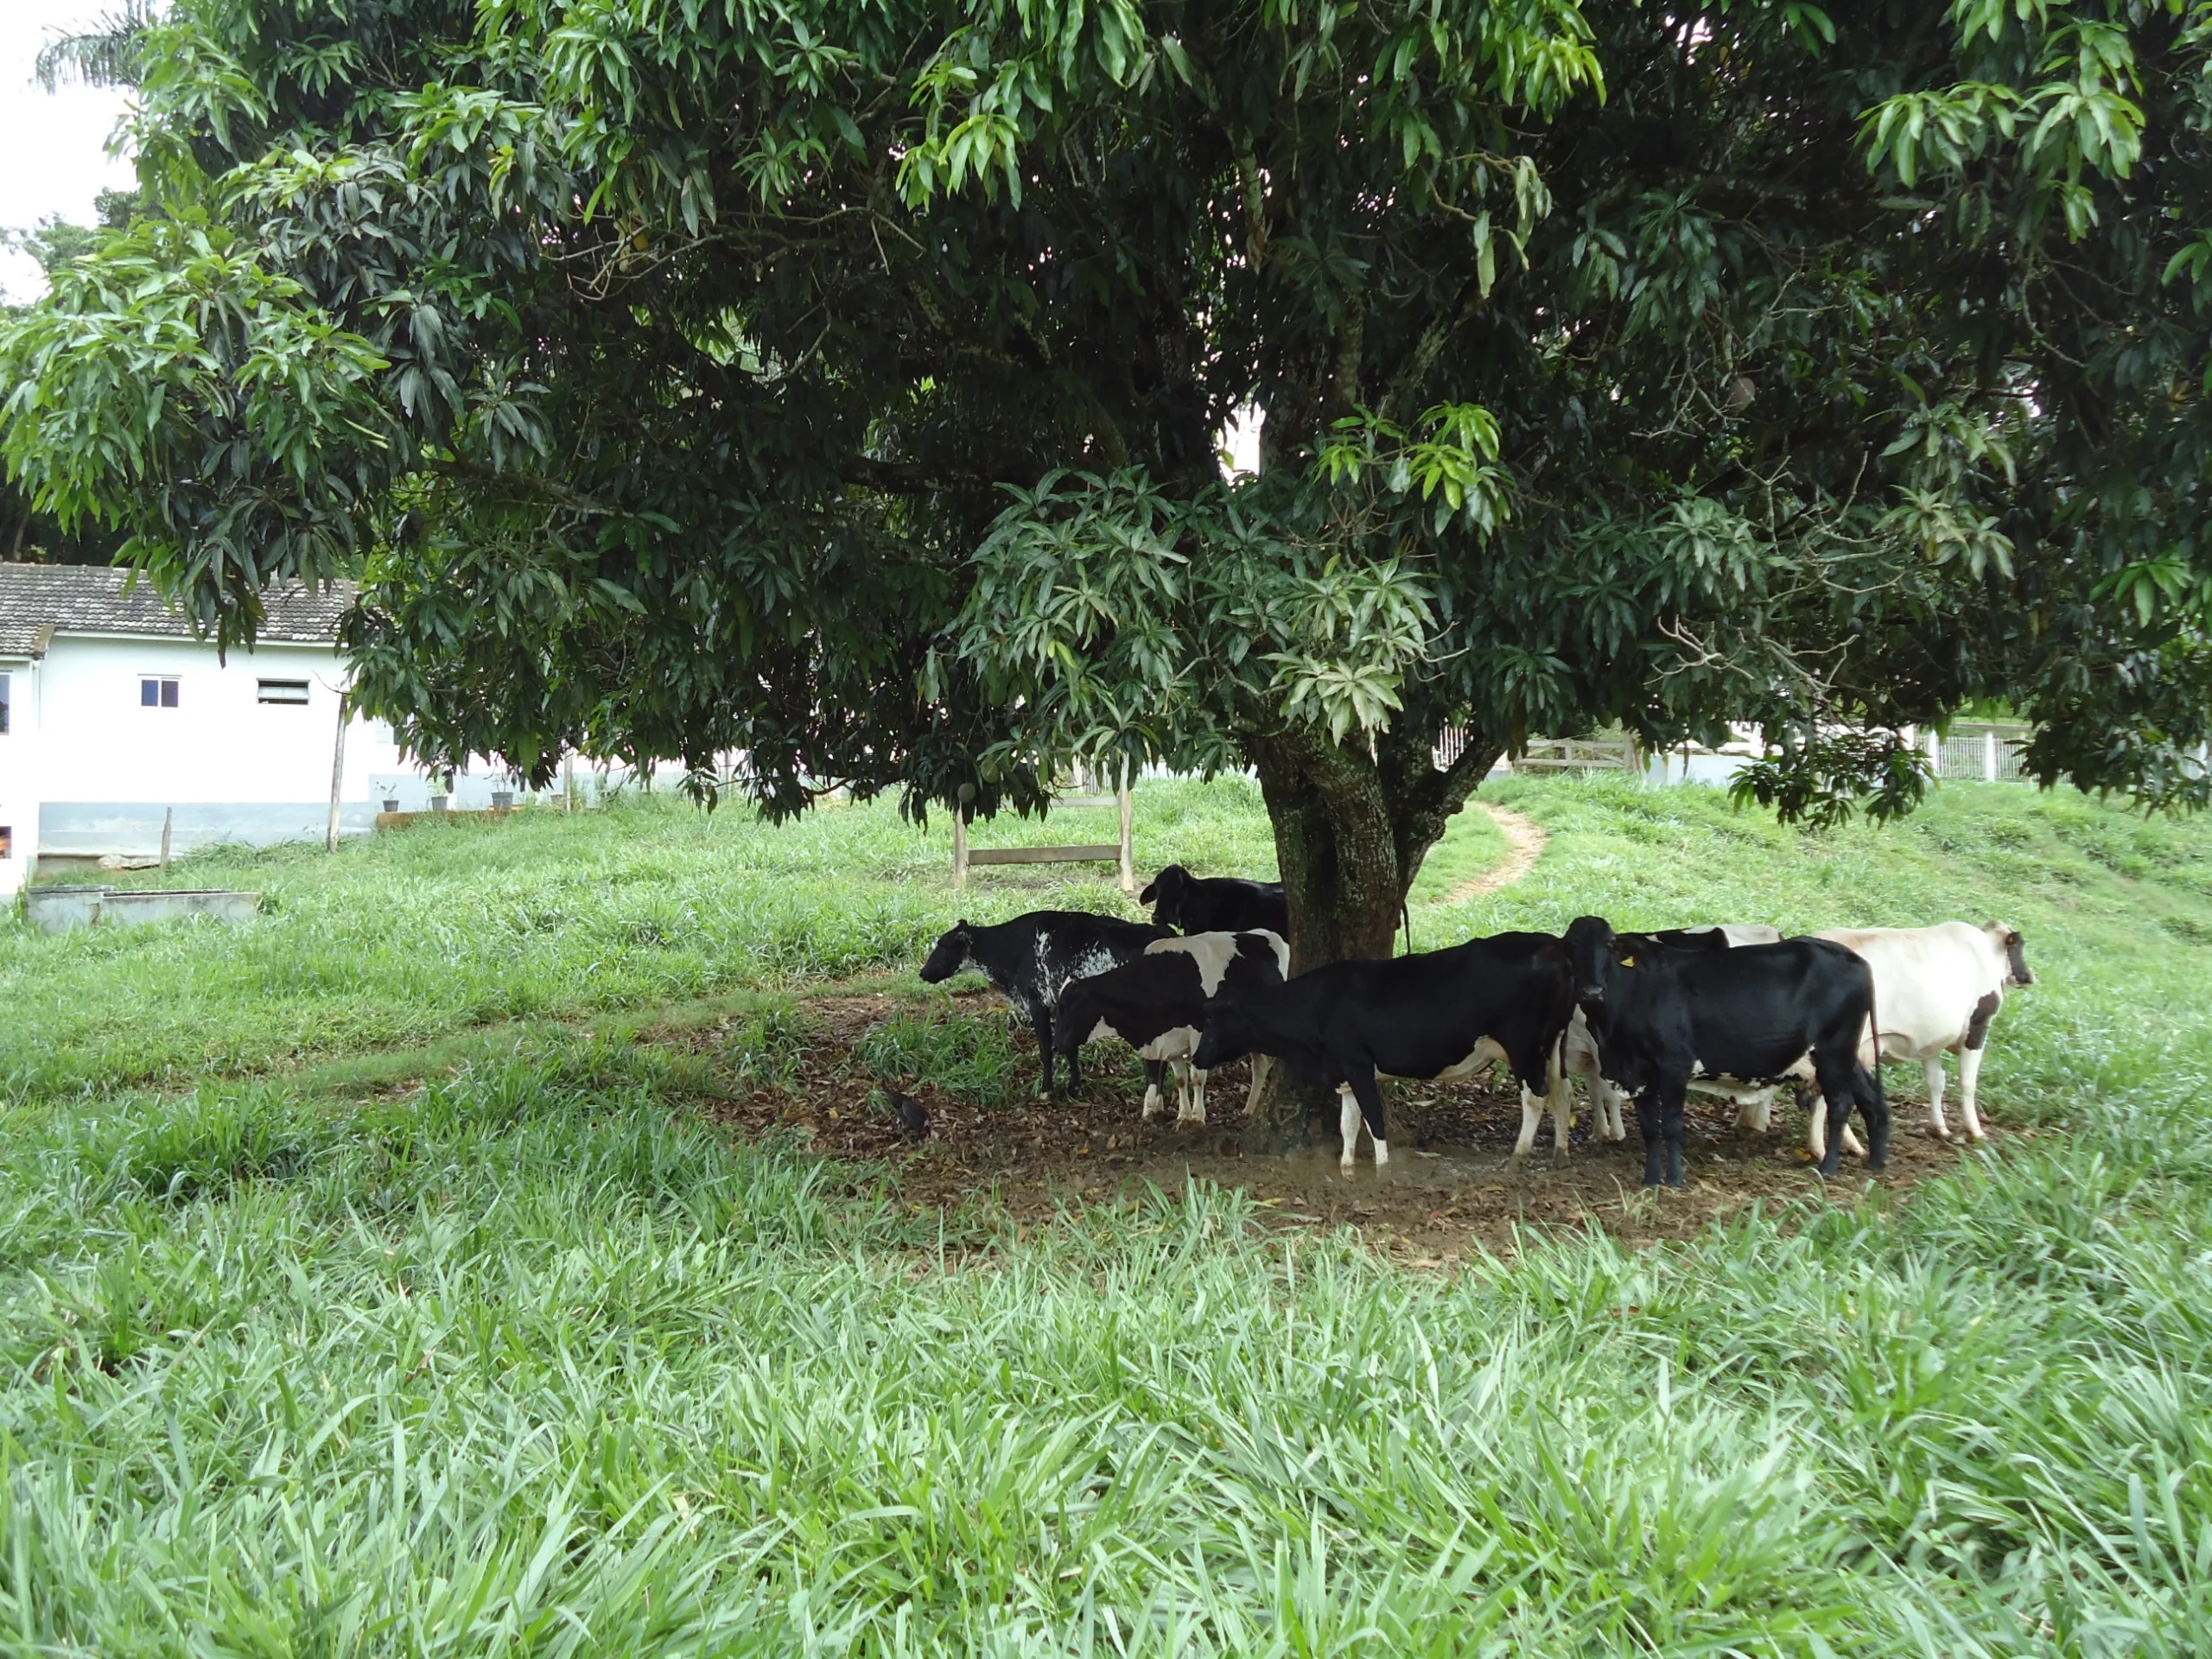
[(113, 716)]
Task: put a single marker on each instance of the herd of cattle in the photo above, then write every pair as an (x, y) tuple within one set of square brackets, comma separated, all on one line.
[(1735, 1010)]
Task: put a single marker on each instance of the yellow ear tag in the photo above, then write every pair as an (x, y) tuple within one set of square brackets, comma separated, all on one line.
[(1628, 962)]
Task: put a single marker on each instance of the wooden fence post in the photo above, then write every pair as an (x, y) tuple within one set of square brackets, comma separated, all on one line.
[(169, 816), (337, 770), (967, 793), (1128, 835)]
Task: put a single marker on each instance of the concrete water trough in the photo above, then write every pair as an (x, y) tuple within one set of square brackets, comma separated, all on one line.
[(56, 910)]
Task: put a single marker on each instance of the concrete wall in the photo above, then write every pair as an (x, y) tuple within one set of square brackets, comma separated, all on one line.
[(95, 770), (1696, 766), (220, 744), (19, 795)]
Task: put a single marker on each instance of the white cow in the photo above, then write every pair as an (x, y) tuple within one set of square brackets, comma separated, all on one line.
[(1580, 1059), (1936, 988)]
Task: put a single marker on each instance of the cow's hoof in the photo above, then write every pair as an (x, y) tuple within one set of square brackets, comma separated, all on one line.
[(1198, 1118)]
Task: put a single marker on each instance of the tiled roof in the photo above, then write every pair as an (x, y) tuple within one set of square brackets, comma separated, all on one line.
[(90, 598)]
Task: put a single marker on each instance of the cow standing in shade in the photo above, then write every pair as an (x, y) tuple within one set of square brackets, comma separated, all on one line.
[(1216, 903), (1156, 1004), (1033, 959), (1439, 1014), (1660, 1018), (1581, 1051), (1935, 991)]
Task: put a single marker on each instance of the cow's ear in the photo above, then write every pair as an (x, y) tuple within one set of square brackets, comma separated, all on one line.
[(961, 925), (1628, 962)]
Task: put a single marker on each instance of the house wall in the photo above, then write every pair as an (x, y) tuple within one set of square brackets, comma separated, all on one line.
[(19, 796), (227, 766)]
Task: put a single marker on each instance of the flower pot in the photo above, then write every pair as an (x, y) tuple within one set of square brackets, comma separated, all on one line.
[(391, 804), (437, 803), (502, 799)]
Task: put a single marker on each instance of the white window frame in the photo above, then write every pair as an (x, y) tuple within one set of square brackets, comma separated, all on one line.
[(164, 681), (303, 687)]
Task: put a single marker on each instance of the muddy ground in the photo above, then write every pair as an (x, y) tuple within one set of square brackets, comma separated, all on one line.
[(1451, 1185)]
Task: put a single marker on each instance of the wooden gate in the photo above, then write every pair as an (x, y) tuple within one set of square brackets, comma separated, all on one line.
[(1123, 851)]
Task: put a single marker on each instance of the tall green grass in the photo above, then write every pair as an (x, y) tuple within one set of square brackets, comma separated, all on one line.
[(415, 935), (529, 1358)]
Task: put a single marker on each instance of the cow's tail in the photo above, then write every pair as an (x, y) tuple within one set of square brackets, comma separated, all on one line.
[(1873, 1104), (1406, 919)]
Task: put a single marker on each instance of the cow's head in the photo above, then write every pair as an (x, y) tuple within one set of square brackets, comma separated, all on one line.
[(1230, 1035), (1592, 946), (1165, 893), (956, 950), (2007, 939)]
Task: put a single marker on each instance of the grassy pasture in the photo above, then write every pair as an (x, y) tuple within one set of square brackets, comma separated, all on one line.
[(494, 1344)]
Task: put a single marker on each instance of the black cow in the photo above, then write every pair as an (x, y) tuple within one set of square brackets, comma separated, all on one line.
[(1660, 1017), (1216, 903), (1157, 1005), (1441, 1013), (1031, 958)]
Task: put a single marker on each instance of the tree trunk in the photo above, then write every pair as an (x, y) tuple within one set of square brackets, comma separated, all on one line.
[(1352, 829)]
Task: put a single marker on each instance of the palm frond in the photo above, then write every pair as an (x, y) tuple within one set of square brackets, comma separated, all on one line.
[(108, 53)]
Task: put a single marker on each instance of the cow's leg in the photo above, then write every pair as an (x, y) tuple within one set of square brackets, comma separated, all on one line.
[(1563, 1096), (1659, 1115), (1348, 1123), (1874, 1107), (1969, 1092), (1932, 1069), (1549, 1085), (1970, 1066), (1075, 1064), (1816, 1126), (1258, 1076), (1156, 1073), (1040, 1023), (1605, 1106), (1756, 1112), (1196, 1112), (1843, 1085), (1531, 1114), (1363, 1097), (1670, 1124)]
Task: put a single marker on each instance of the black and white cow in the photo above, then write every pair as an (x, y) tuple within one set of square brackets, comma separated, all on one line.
[(1216, 903), (1660, 1017), (1581, 1052), (1935, 991), (1031, 959), (1439, 1013), (1157, 1005)]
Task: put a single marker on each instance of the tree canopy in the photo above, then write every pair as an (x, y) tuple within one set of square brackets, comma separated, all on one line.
[(842, 384)]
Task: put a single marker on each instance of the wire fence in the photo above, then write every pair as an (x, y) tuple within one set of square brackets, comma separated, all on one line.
[(1987, 751)]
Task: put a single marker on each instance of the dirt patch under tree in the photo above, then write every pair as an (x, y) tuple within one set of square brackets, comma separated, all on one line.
[(1452, 1185)]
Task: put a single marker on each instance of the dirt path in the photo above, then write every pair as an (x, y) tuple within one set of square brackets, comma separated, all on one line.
[(1524, 840)]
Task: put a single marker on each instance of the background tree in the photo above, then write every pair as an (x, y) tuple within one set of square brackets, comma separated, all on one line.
[(842, 385), (28, 535)]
